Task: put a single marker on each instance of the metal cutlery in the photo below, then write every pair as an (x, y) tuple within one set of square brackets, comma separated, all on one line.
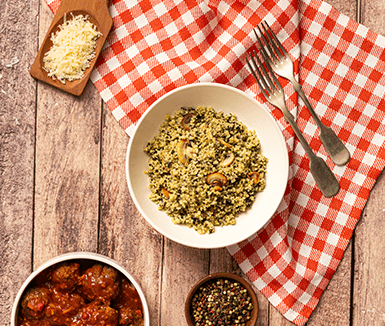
[(282, 65), (273, 92)]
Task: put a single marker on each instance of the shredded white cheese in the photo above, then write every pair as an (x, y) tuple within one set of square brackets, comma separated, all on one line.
[(72, 50)]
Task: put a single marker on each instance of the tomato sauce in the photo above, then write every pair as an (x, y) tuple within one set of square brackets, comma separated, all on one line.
[(76, 294)]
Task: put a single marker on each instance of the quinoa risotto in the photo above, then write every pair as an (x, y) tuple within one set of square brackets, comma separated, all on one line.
[(205, 168)]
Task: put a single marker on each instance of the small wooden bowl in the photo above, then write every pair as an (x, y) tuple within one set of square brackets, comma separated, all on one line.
[(98, 14), (216, 276)]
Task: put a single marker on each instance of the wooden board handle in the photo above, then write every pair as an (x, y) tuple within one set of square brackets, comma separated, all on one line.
[(95, 7)]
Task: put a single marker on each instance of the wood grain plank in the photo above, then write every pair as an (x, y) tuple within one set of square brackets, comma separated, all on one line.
[(369, 263), (334, 306), (372, 15), (276, 319), (347, 7), (17, 142), (67, 168), (368, 290), (339, 288), (124, 234), (182, 268), (328, 313)]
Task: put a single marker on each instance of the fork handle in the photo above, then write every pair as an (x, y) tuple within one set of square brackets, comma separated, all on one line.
[(335, 148), (323, 176)]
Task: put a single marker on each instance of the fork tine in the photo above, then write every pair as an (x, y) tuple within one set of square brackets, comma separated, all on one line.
[(258, 70), (277, 42), (264, 77), (262, 48), (274, 83), (258, 80), (268, 44), (266, 57), (265, 74), (253, 72)]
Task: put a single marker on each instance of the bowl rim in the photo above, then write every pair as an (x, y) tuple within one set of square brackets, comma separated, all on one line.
[(80, 255), (133, 136), (224, 275)]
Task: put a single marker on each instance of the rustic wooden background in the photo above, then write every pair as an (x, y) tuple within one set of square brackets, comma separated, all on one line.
[(63, 188)]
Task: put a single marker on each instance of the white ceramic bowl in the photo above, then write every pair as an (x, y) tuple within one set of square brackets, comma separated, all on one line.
[(83, 256), (254, 116)]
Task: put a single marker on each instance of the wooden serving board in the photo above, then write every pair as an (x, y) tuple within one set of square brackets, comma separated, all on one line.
[(98, 14)]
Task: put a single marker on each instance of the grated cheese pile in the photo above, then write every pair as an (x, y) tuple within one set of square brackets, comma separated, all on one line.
[(73, 49)]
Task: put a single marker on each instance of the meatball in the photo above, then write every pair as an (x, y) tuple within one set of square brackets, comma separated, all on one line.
[(63, 307), (99, 283), (33, 322), (96, 314), (34, 303), (66, 276), (129, 305), (130, 317), (44, 278)]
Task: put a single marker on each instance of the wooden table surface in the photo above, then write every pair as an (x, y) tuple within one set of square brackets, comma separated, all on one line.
[(63, 188)]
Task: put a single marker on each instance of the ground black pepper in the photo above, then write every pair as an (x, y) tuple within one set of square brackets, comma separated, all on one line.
[(221, 302)]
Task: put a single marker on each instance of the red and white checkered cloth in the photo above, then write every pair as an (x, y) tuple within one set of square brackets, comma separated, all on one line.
[(156, 46)]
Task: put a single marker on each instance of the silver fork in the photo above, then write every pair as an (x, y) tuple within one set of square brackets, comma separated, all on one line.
[(273, 92), (282, 64)]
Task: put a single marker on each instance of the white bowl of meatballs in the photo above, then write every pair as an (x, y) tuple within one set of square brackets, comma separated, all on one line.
[(79, 289)]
